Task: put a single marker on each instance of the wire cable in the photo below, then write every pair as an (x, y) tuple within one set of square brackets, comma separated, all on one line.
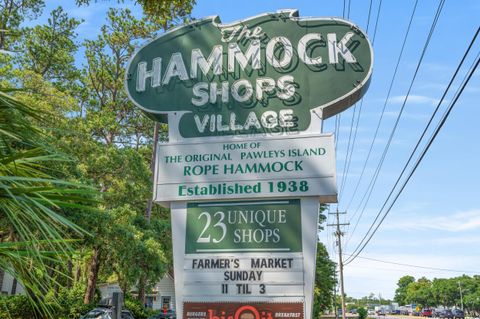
[(380, 119), (348, 155), (431, 119), (384, 104), (417, 266), (392, 133), (419, 160)]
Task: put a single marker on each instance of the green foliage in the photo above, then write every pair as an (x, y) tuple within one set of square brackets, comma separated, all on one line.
[(64, 304), (420, 292), (137, 309), (70, 302), (105, 143), (324, 275), (362, 313), (16, 307), (444, 292), (49, 49), (34, 231), (12, 14), (401, 291), (165, 13)]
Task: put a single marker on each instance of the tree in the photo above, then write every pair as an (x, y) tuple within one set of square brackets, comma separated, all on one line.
[(401, 291), (444, 292), (164, 13), (12, 14), (48, 50), (33, 232), (325, 281), (420, 292)]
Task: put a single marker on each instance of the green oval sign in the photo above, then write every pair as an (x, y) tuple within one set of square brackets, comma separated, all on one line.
[(270, 73)]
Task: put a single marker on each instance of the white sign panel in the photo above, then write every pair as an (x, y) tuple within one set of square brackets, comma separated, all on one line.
[(227, 253), (299, 166)]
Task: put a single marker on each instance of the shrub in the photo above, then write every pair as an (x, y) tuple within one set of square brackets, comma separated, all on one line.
[(362, 313), (16, 307)]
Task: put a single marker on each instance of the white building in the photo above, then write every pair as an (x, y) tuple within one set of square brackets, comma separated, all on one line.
[(9, 285), (162, 296)]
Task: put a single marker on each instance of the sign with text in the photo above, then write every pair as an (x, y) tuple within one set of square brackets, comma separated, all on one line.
[(253, 310), (300, 166), (244, 252), (270, 73), (243, 227)]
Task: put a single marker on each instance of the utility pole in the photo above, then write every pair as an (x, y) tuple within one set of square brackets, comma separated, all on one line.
[(339, 235)]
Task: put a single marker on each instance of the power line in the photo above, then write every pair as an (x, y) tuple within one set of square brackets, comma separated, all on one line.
[(418, 266), (381, 118), (417, 163), (431, 119), (397, 120), (384, 104), (392, 133), (348, 155)]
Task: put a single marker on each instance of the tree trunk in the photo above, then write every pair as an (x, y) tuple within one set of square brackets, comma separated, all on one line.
[(2, 276), (148, 211), (141, 289), (70, 273), (78, 272), (94, 267)]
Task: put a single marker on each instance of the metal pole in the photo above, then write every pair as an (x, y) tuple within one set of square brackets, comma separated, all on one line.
[(117, 302), (339, 235)]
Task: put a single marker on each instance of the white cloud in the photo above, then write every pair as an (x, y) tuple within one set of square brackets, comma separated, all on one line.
[(456, 222), (415, 99)]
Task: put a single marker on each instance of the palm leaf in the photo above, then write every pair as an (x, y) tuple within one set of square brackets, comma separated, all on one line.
[(33, 203)]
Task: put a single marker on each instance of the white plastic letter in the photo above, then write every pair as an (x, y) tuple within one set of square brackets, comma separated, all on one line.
[(176, 67), (155, 73), (302, 48), (287, 54), (253, 53), (335, 48), (264, 85), (200, 91), (214, 59), (286, 87), (236, 88)]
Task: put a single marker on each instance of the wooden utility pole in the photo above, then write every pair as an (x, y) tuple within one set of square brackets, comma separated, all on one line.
[(339, 234)]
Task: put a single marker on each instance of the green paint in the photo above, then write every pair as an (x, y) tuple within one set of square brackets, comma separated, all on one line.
[(274, 69), (268, 226)]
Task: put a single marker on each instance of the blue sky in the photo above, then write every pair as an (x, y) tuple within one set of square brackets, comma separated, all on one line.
[(436, 221)]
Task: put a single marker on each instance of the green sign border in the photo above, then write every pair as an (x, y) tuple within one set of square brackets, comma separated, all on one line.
[(214, 227), (311, 102)]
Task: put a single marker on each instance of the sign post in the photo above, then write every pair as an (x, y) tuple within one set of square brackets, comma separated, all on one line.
[(246, 166)]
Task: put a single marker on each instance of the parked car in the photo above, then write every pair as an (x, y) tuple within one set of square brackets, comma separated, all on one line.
[(437, 313), (353, 311), (371, 312), (404, 312), (446, 314), (105, 313), (427, 313), (458, 314), (381, 312)]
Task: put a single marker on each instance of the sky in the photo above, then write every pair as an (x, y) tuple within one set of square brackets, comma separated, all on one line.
[(435, 223)]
